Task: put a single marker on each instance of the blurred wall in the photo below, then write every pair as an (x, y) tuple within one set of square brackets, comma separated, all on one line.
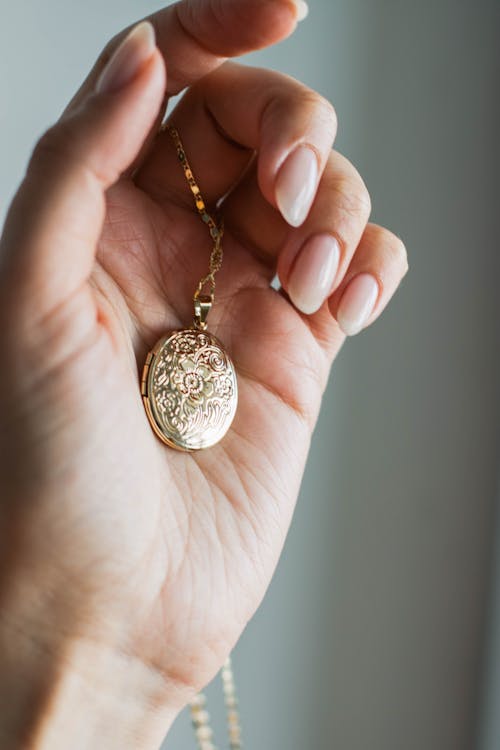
[(374, 634)]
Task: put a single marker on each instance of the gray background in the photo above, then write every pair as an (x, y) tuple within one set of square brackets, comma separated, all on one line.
[(380, 628)]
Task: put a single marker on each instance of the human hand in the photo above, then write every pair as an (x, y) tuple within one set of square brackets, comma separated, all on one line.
[(116, 548)]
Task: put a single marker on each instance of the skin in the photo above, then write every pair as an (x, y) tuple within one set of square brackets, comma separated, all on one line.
[(128, 570)]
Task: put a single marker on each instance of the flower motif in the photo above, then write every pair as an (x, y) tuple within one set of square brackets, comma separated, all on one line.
[(168, 403), (224, 386), (192, 380), (188, 342), (191, 383)]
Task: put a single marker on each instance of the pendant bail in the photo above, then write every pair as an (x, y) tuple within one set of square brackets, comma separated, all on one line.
[(202, 305)]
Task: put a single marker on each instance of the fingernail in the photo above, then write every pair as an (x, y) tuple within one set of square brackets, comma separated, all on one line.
[(302, 9), (357, 303), (296, 185), (313, 273), (128, 58)]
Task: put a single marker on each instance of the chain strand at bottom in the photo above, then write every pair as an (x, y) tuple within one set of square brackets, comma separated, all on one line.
[(201, 718)]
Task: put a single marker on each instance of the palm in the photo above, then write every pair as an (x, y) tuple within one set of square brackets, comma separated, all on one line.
[(189, 518)]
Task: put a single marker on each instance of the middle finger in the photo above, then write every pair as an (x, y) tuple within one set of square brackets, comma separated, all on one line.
[(227, 118)]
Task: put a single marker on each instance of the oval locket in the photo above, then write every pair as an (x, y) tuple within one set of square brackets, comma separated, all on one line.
[(189, 389)]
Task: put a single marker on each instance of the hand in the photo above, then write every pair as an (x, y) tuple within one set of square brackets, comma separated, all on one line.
[(114, 543)]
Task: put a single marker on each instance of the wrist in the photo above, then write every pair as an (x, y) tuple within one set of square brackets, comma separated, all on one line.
[(54, 688), (100, 698)]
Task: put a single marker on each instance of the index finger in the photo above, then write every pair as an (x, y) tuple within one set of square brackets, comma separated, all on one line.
[(196, 36)]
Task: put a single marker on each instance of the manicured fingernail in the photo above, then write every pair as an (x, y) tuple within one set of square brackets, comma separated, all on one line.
[(313, 273), (302, 9), (128, 58), (357, 303), (296, 185)]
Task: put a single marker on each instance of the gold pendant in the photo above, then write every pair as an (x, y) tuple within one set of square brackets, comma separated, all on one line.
[(189, 389), (188, 383)]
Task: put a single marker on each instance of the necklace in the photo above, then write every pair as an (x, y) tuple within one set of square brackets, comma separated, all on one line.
[(200, 717), (190, 394), (188, 384)]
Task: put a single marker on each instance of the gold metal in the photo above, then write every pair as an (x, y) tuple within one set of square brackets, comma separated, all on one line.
[(201, 718), (231, 702), (189, 390), (216, 228), (202, 306), (188, 384)]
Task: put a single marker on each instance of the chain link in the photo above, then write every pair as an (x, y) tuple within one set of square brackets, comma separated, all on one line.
[(200, 717), (216, 228)]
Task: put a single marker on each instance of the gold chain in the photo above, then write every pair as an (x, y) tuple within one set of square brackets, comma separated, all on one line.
[(200, 717), (202, 302)]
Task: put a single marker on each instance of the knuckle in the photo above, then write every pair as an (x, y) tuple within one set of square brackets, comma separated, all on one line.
[(318, 105), (398, 252), (353, 198), (328, 110), (393, 248), (287, 99), (323, 112), (54, 146), (62, 149)]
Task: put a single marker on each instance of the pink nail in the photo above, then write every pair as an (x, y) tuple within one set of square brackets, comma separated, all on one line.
[(357, 303), (128, 58), (313, 273), (296, 185)]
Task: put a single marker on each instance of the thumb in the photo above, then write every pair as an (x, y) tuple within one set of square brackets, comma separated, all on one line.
[(50, 236)]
